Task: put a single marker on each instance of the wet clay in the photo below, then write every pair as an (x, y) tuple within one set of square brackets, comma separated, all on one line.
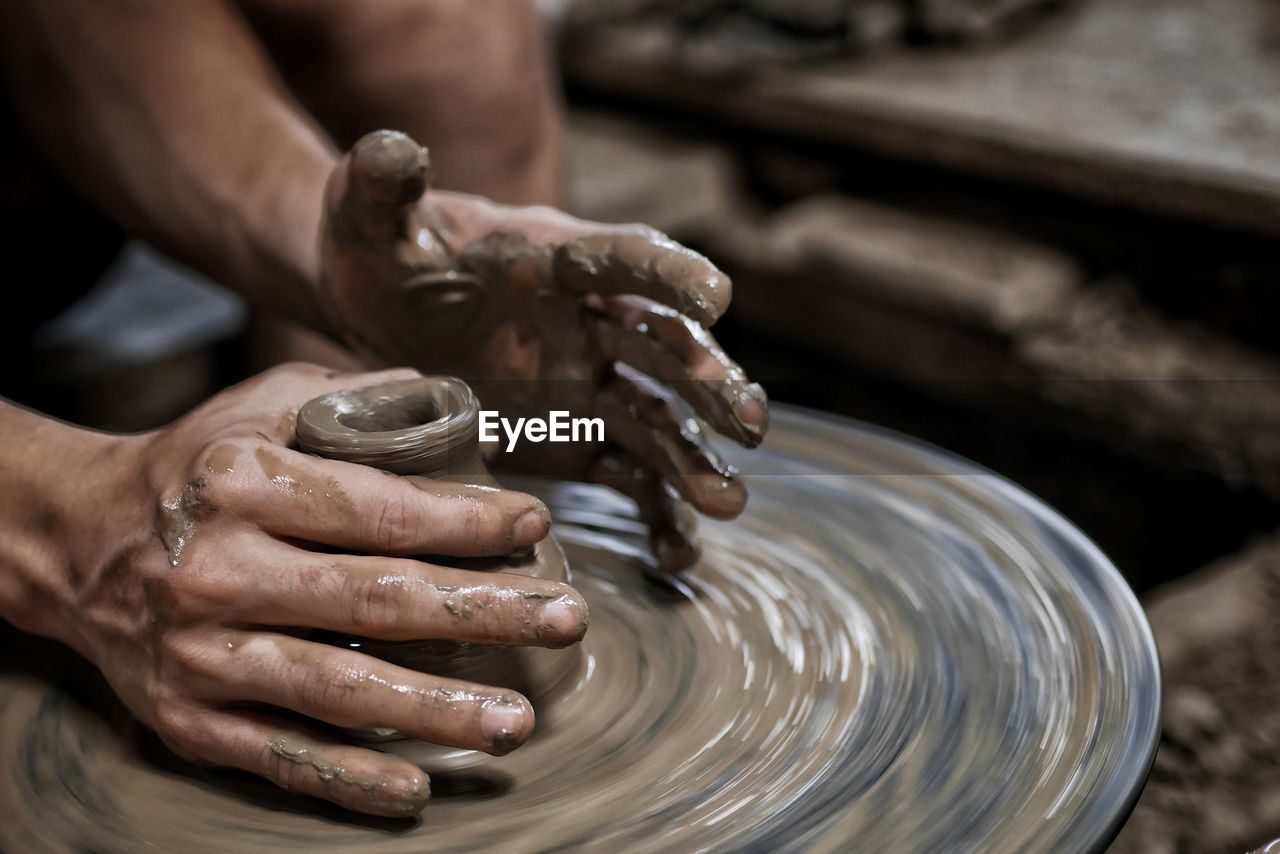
[(291, 479), (180, 517), (890, 650), (427, 430), (299, 750)]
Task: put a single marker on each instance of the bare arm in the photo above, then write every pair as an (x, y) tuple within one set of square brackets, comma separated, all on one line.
[(169, 117), (472, 79)]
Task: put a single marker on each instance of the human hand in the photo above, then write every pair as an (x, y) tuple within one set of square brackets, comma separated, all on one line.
[(540, 311), (217, 542)]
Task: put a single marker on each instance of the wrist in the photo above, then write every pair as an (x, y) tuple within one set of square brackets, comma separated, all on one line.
[(60, 486), (282, 220)]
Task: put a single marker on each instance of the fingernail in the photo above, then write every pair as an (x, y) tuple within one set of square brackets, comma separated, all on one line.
[(564, 619), (721, 495), (501, 724), (533, 525), (750, 408)]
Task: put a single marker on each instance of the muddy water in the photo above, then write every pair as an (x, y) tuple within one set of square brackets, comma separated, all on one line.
[(889, 651)]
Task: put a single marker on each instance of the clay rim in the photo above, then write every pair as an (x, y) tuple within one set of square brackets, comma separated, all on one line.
[(429, 418)]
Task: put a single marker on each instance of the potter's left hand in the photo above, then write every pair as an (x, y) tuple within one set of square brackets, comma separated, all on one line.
[(540, 311)]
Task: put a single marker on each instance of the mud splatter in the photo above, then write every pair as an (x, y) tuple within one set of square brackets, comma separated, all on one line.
[(299, 482), (374, 790), (181, 515)]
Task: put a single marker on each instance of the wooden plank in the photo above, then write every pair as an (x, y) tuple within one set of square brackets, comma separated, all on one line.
[(964, 311), (1167, 106)]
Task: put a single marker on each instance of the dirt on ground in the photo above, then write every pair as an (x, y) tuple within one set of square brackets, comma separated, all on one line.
[(1215, 785)]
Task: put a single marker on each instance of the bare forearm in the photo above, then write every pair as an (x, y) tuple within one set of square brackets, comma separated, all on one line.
[(49, 476), (169, 117), (471, 79)]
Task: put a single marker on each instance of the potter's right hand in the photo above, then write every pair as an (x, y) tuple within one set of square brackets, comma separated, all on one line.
[(192, 556)]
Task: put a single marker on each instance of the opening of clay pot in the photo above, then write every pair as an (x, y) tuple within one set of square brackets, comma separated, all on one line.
[(393, 413)]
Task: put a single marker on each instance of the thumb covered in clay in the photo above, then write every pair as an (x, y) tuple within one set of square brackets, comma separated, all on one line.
[(388, 281), (377, 185)]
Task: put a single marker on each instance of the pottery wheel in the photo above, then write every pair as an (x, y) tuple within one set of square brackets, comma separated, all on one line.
[(891, 650)]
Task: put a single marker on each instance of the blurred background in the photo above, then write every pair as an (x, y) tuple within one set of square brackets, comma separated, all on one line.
[(1040, 234)]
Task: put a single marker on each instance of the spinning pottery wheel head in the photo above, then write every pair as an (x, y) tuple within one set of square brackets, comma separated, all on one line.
[(890, 650)]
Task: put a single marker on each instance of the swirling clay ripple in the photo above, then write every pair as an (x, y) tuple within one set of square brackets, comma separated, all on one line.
[(892, 650)]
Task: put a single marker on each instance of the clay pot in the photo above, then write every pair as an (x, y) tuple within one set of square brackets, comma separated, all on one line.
[(427, 429)]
